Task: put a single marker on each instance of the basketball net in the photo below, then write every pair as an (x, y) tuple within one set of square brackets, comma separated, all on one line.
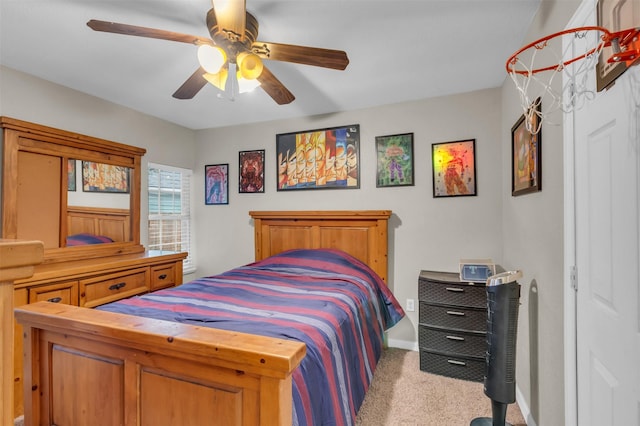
[(536, 83)]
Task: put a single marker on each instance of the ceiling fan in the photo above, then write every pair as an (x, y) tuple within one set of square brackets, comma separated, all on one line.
[(234, 51)]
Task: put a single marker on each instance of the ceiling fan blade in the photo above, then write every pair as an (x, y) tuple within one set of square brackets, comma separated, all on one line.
[(318, 57), (230, 16), (192, 86), (133, 30), (275, 88)]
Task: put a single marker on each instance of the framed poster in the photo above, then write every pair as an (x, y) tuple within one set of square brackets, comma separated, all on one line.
[(71, 174), (394, 155), (251, 171), (319, 159), (454, 168), (216, 184), (614, 15), (526, 168), (100, 177)]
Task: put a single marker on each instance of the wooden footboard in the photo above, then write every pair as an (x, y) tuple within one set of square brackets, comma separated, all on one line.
[(93, 367)]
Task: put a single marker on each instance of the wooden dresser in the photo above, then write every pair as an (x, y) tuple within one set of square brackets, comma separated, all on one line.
[(17, 261), (90, 283), (452, 326), (58, 185)]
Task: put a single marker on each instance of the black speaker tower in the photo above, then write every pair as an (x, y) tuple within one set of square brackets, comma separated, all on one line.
[(503, 301)]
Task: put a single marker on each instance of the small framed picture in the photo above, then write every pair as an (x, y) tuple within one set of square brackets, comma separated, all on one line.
[(614, 15), (71, 174), (526, 168), (454, 168), (100, 177), (394, 160), (251, 171), (216, 184)]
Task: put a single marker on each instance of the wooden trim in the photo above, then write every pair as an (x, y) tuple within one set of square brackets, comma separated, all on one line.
[(321, 214), (71, 139), (17, 260)]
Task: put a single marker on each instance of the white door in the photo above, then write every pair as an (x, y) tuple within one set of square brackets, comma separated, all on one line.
[(607, 234)]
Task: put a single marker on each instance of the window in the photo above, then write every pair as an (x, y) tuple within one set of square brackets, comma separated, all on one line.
[(169, 191)]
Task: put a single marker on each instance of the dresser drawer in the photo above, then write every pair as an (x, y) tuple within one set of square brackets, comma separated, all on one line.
[(66, 292), (458, 367), (458, 294), (163, 276), (107, 288), (453, 342), (453, 317)]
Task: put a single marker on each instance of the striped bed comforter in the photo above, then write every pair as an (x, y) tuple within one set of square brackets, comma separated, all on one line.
[(325, 298)]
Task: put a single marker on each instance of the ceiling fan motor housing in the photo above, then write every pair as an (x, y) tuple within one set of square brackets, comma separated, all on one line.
[(232, 42)]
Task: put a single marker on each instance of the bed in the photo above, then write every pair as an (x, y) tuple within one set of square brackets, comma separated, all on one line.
[(93, 225), (232, 352)]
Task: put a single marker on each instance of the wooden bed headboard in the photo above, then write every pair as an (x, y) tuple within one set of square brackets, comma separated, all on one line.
[(108, 222), (361, 233)]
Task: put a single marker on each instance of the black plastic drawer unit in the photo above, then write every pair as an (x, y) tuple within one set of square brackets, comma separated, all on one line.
[(452, 326)]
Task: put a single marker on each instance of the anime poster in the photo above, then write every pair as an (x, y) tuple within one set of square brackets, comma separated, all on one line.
[(251, 171), (454, 168), (394, 160), (216, 184), (99, 177), (526, 171), (71, 174), (319, 159)]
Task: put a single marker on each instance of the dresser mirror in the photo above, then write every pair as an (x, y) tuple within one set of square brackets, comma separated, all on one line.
[(77, 194)]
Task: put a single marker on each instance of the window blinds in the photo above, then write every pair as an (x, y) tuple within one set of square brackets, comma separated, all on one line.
[(169, 190)]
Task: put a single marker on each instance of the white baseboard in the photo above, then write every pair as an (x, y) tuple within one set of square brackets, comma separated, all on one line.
[(524, 408), (403, 344)]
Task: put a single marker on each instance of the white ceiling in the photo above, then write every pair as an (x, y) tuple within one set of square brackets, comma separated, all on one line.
[(399, 51)]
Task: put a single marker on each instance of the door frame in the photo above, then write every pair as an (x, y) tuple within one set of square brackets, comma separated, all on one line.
[(579, 18)]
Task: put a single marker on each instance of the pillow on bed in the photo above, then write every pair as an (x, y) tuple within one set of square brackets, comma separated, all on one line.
[(83, 239)]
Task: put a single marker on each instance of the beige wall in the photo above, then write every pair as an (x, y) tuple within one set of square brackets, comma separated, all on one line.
[(426, 233), (533, 241), (32, 99)]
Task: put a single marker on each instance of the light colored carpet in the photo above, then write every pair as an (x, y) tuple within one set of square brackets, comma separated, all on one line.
[(401, 394)]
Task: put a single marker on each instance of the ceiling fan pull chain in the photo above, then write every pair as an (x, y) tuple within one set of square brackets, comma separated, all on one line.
[(231, 88)]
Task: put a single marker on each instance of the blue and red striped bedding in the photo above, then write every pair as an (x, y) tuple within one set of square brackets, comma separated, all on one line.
[(325, 298), (84, 239)]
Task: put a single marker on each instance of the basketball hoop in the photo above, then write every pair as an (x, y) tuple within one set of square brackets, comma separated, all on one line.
[(582, 45)]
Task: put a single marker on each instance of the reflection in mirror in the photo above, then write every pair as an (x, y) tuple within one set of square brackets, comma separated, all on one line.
[(44, 195), (98, 203)]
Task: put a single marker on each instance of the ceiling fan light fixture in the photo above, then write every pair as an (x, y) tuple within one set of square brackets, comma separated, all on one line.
[(218, 80), (250, 65), (245, 85), (211, 58)]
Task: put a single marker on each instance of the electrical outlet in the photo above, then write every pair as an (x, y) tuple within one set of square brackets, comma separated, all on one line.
[(411, 305)]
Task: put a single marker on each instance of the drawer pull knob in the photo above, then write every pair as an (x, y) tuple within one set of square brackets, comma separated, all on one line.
[(455, 289), (456, 313), (117, 286), (55, 300), (162, 277), (458, 338), (456, 362)]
